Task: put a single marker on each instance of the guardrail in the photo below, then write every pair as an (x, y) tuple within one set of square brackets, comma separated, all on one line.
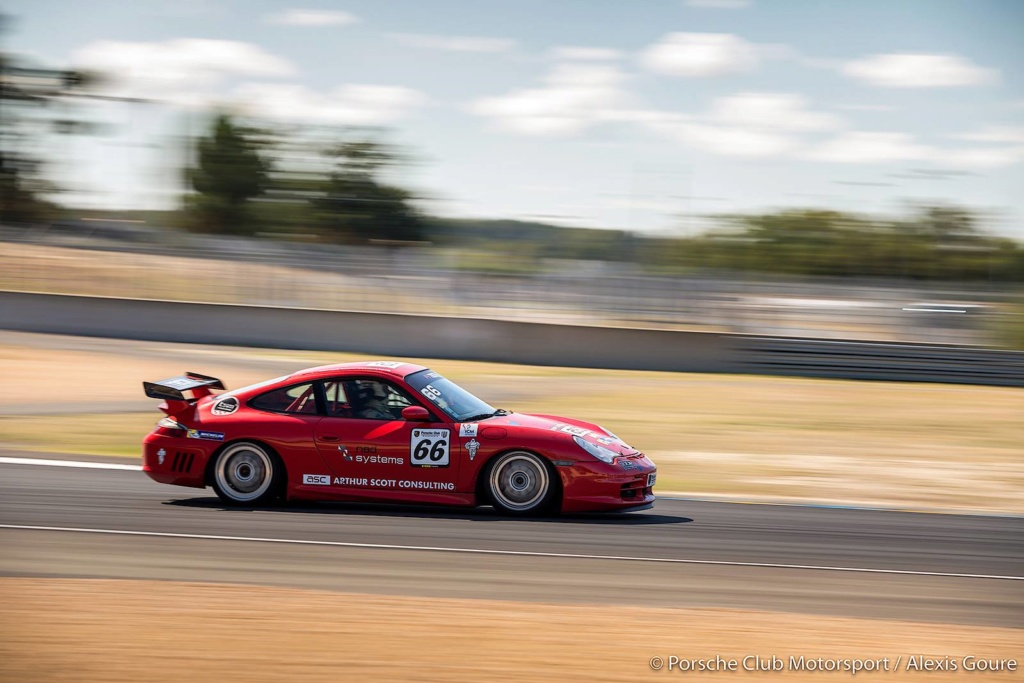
[(880, 361), (426, 336)]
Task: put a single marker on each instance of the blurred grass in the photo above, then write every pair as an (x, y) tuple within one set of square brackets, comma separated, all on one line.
[(897, 444), (100, 629), (1009, 326), (874, 442), (84, 434)]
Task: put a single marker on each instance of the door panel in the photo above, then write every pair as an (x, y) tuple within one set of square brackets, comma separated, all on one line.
[(388, 454)]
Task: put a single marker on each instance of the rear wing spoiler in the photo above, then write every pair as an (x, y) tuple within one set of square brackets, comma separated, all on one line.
[(173, 389)]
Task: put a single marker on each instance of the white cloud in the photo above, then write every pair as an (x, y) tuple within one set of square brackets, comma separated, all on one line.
[(982, 157), (777, 111), (918, 71), (185, 71), (859, 147), (354, 105), (725, 140), (745, 124), (312, 17), (586, 54), (454, 43), (700, 55), (718, 4), (997, 134), (574, 97), (867, 107)]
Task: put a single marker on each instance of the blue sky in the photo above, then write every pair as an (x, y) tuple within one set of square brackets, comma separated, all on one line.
[(642, 115)]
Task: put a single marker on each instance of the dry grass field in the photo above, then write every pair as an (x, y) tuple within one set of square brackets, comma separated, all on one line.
[(133, 631)]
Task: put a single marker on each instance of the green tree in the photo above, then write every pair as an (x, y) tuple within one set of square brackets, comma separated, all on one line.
[(358, 205), (935, 243), (230, 170), (30, 96)]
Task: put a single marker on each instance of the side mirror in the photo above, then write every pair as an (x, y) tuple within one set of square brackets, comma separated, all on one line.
[(415, 414)]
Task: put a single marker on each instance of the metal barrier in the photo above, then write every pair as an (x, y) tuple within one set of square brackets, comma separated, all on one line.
[(880, 361), (422, 336)]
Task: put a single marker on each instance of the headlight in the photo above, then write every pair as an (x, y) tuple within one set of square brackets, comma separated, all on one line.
[(600, 452)]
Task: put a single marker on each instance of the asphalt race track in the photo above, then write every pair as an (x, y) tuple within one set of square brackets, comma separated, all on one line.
[(880, 564)]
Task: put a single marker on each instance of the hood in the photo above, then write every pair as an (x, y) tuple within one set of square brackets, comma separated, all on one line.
[(562, 428)]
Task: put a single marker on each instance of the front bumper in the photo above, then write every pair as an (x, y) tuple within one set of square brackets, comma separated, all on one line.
[(596, 486)]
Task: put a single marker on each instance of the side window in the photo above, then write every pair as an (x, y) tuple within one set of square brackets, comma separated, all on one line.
[(295, 399), (373, 399), (338, 404)]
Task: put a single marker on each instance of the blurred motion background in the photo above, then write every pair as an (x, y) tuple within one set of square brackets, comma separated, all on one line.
[(831, 191), (740, 174)]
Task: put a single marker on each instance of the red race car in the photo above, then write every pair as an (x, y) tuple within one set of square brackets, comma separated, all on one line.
[(389, 432)]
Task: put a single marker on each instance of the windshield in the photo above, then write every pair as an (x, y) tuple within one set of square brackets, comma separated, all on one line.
[(456, 402)]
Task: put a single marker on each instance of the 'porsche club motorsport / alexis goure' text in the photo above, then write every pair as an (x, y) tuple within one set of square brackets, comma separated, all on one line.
[(389, 432)]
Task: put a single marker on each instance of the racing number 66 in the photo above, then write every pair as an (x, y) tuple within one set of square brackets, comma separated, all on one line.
[(423, 450), (429, 448)]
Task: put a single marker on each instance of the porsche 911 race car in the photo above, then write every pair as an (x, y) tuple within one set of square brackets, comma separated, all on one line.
[(388, 432)]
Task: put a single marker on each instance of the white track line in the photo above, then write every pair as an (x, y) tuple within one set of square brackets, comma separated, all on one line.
[(69, 463), (518, 553)]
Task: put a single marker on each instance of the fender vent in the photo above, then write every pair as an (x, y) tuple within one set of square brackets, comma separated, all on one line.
[(183, 462)]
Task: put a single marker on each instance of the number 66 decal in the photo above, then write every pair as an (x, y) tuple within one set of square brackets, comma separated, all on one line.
[(429, 447)]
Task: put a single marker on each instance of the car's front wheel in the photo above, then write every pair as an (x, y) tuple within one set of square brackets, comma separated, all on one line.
[(521, 483), (246, 473)]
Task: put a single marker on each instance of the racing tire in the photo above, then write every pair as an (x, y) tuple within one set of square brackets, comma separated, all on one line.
[(247, 473), (521, 483)]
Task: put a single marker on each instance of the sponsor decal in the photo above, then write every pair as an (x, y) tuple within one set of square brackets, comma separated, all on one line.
[(350, 481), (605, 440), (429, 447), (379, 460), (160, 455), (468, 429), (628, 465), (570, 429), (395, 483), (205, 435), (651, 479), (384, 364), (427, 485), (472, 447), (366, 449), (225, 406), (317, 479)]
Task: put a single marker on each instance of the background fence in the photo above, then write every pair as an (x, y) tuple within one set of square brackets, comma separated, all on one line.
[(443, 282)]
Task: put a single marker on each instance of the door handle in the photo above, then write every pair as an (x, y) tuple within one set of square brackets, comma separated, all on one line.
[(328, 437)]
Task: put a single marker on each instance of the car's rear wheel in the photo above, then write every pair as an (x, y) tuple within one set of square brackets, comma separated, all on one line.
[(246, 473), (521, 483)]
